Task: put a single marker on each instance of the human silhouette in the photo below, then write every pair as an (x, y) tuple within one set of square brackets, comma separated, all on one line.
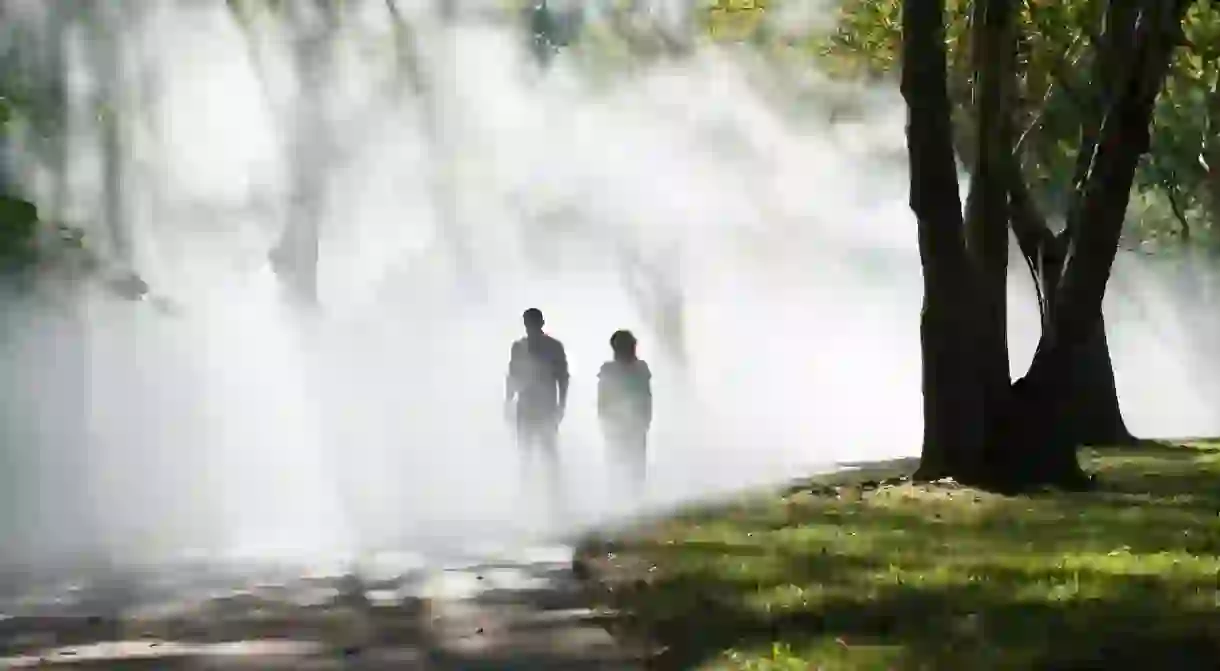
[(624, 406), (537, 382)]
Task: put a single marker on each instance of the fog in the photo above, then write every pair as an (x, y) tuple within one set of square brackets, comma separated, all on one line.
[(759, 246)]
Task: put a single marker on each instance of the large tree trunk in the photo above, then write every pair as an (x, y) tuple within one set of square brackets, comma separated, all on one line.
[(1042, 426), (993, 54), (977, 429), (1097, 418), (953, 430)]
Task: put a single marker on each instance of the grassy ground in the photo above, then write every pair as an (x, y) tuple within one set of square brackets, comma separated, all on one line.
[(895, 576)]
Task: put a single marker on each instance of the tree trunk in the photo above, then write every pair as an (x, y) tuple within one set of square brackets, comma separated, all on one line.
[(295, 259), (993, 54), (1097, 418), (108, 63), (976, 429), (953, 432), (1092, 242), (1044, 422), (1211, 152)]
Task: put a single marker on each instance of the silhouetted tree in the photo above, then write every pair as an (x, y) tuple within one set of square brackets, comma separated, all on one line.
[(981, 427)]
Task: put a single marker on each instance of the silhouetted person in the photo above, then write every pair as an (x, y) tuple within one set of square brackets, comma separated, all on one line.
[(538, 381), (624, 406)]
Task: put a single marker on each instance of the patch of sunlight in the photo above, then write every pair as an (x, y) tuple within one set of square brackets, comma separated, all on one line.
[(831, 653), (793, 598), (813, 535), (1120, 561), (1114, 463), (934, 575), (1064, 588), (759, 570)]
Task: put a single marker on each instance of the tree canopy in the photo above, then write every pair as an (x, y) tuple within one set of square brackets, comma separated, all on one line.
[(1179, 176)]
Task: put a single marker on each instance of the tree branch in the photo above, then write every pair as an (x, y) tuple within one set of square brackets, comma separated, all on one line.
[(924, 86), (1171, 192), (1056, 79), (1034, 237), (1123, 139), (1116, 56), (993, 56)]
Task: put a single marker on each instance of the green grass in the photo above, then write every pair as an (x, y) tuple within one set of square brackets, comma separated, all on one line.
[(899, 576)]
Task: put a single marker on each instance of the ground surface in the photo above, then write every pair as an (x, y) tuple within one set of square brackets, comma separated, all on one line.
[(514, 609), (888, 575)]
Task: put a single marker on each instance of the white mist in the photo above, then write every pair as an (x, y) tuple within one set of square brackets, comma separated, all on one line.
[(238, 424)]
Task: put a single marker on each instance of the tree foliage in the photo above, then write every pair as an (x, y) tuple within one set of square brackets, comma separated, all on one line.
[(1054, 82), (1177, 186)]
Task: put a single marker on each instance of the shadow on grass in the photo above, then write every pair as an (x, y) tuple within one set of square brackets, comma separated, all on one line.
[(1157, 445), (910, 577), (951, 628)]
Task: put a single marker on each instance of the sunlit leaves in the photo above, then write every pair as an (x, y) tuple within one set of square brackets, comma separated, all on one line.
[(735, 20), (1055, 74)]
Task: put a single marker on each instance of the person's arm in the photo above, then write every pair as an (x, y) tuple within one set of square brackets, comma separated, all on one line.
[(510, 379), (603, 391), (646, 392), (561, 375)]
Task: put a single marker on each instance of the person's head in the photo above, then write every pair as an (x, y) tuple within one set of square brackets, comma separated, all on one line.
[(533, 320), (623, 343)]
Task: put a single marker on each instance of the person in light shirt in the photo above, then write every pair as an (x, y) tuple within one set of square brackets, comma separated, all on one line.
[(624, 406)]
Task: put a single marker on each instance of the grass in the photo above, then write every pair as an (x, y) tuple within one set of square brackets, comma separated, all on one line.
[(897, 576)]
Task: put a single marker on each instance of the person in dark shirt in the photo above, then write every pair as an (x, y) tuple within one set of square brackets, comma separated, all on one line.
[(624, 406), (537, 382)]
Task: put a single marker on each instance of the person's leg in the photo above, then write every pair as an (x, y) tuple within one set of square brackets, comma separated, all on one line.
[(526, 447), (639, 461), (630, 453), (547, 449), (621, 452)]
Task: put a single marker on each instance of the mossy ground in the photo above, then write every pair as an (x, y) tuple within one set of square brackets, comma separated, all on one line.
[(893, 575)]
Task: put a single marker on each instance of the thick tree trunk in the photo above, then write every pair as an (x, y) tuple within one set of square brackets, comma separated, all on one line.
[(1093, 239), (977, 429), (987, 208), (1044, 419), (1097, 418), (953, 431)]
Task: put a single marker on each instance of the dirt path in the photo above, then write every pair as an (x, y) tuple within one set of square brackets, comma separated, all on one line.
[(502, 612)]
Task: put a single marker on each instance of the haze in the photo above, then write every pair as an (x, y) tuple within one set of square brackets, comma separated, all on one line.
[(237, 423)]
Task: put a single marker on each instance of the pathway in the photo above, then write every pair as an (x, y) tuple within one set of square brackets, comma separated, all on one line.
[(497, 610)]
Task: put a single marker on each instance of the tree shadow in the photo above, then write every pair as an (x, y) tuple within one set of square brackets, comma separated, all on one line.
[(952, 579), (1166, 446), (940, 629)]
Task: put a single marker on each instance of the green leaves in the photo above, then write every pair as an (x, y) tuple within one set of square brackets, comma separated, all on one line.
[(1054, 53), (18, 229)]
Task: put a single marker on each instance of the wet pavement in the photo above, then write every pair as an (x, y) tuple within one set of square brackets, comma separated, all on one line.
[(507, 609)]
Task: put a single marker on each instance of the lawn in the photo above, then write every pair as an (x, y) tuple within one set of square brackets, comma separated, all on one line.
[(890, 575)]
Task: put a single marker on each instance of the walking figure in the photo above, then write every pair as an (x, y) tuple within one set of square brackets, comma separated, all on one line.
[(537, 382), (624, 406)]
